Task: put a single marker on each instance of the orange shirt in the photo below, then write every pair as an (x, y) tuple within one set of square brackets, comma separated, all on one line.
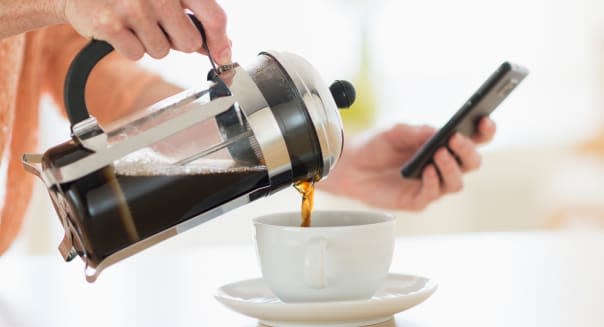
[(35, 63)]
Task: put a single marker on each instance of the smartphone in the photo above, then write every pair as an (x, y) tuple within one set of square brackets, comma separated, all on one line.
[(483, 102)]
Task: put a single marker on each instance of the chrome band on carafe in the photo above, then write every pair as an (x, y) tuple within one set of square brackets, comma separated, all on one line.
[(262, 122), (319, 104)]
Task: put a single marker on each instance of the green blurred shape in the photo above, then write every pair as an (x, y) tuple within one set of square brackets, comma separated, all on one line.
[(362, 114)]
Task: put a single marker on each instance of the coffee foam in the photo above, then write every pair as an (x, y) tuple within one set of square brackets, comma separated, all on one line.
[(151, 163)]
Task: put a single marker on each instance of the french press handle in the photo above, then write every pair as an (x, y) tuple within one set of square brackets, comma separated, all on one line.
[(82, 65)]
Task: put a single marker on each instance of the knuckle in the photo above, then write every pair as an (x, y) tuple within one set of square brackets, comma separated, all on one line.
[(164, 51), (469, 167), (191, 44), (134, 12), (134, 54), (418, 206), (477, 162), (180, 46), (457, 187), (399, 127), (218, 20), (162, 6), (463, 146), (100, 27), (132, 7), (138, 55), (159, 52), (157, 45), (106, 25), (445, 164), (473, 164), (456, 148), (439, 158), (426, 129), (221, 18), (434, 196), (154, 55)]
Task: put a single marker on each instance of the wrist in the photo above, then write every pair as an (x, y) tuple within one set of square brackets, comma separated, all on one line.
[(335, 183)]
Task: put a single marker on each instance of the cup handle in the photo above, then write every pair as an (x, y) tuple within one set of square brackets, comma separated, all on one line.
[(314, 263)]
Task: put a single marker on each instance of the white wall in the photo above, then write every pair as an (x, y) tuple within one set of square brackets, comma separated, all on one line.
[(428, 56)]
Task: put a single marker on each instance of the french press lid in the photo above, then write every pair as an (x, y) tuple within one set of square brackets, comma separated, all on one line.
[(305, 110)]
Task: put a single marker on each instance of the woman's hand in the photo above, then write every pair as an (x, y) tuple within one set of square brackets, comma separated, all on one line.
[(371, 172), (136, 27)]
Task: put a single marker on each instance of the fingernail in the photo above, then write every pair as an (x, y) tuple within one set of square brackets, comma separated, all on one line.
[(489, 123), (224, 58)]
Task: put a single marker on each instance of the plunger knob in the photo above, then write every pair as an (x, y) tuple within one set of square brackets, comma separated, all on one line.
[(343, 93)]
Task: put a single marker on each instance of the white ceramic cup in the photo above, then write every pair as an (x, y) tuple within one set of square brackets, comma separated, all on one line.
[(344, 255)]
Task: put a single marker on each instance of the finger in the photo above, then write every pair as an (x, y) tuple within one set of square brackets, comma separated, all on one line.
[(182, 34), (430, 189), (214, 20), (147, 29), (155, 41), (486, 131), (403, 136), (124, 41), (128, 45), (450, 172), (465, 150)]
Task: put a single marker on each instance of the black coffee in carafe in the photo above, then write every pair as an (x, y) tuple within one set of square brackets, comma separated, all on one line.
[(136, 198)]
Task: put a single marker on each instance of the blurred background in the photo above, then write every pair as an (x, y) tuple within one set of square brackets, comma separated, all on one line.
[(416, 62)]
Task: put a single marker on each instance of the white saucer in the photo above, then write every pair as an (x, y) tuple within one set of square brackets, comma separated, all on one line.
[(253, 298)]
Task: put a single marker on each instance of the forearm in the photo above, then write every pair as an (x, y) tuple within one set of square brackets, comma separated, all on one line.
[(153, 92), (19, 16), (141, 90)]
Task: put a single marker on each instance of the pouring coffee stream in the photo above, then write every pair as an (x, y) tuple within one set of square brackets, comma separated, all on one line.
[(307, 190), (257, 129)]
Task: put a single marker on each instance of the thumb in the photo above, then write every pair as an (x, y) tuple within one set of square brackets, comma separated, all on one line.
[(214, 20), (404, 137)]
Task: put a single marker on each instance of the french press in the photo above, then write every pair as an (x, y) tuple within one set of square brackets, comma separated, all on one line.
[(246, 133)]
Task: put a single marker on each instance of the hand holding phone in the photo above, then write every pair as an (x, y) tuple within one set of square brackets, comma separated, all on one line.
[(482, 103)]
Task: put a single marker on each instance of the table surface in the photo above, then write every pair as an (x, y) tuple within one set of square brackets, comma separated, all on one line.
[(503, 279)]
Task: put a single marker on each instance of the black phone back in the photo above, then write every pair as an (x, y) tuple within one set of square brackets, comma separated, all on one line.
[(482, 103)]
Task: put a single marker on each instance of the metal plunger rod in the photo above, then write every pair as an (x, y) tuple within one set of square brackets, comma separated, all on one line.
[(215, 148)]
